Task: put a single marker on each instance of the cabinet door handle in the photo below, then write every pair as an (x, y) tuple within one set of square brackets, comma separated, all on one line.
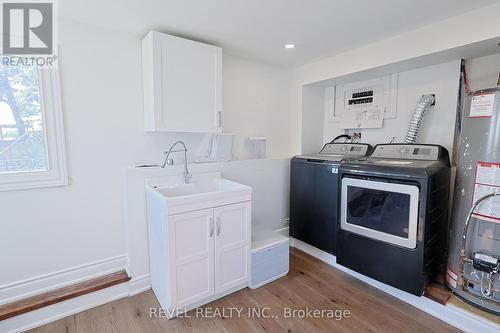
[(218, 226), (211, 227)]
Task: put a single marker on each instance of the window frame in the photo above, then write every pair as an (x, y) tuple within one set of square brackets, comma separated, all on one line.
[(52, 121)]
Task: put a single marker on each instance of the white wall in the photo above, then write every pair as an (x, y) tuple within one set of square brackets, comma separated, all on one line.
[(256, 102), (443, 81), (313, 118), (48, 230)]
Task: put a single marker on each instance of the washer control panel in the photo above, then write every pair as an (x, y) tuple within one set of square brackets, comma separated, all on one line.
[(407, 152), (351, 149)]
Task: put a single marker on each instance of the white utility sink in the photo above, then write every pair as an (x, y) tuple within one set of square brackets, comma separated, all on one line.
[(199, 239), (204, 190), (200, 186)]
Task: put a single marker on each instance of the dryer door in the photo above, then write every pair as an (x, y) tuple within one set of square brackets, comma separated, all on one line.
[(380, 210)]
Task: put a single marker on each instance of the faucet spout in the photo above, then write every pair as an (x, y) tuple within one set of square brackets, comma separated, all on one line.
[(169, 161)]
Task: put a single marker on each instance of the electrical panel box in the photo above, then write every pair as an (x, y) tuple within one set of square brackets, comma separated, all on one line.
[(363, 104)]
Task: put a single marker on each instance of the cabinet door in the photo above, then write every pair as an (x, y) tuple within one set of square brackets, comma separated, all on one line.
[(232, 245), (191, 79), (191, 245)]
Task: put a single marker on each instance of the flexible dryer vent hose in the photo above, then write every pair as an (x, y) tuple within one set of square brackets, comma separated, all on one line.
[(425, 102)]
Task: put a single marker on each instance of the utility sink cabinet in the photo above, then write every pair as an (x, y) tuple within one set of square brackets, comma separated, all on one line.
[(199, 240)]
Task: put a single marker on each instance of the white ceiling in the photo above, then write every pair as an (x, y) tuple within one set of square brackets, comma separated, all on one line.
[(259, 29)]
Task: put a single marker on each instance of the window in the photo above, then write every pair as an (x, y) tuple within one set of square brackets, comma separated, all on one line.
[(31, 134)]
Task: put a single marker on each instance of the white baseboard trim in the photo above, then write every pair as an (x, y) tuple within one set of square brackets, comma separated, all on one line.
[(139, 285), (43, 283), (58, 311), (452, 315)]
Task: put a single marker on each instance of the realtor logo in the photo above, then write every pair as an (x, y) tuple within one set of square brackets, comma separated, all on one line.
[(27, 28)]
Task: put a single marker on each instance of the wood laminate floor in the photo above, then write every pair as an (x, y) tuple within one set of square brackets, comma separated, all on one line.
[(311, 284)]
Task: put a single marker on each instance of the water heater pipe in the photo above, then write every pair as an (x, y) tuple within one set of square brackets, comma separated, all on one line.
[(463, 255), (425, 102)]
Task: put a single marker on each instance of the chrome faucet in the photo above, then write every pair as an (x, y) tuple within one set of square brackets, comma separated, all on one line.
[(169, 161)]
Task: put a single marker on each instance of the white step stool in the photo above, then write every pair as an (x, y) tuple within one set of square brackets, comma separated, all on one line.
[(270, 256)]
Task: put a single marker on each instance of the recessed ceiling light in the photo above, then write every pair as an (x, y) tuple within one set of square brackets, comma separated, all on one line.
[(289, 46)]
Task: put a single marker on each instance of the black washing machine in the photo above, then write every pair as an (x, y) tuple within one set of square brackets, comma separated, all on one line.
[(314, 193), (393, 214)]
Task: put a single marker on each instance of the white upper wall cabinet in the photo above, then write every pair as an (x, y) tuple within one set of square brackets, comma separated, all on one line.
[(182, 82)]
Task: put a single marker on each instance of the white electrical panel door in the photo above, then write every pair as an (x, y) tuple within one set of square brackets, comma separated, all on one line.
[(363, 104), (232, 246), (182, 82)]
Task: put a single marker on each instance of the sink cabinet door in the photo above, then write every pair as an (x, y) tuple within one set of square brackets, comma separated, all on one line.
[(232, 245), (192, 248)]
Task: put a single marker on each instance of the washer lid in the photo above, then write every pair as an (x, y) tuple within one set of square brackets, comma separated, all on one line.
[(346, 149), (321, 157), (338, 152)]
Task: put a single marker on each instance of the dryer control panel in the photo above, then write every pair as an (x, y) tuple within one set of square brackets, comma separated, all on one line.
[(407, 151)]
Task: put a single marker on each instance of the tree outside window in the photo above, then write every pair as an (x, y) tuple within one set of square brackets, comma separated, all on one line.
[(22, 138)]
